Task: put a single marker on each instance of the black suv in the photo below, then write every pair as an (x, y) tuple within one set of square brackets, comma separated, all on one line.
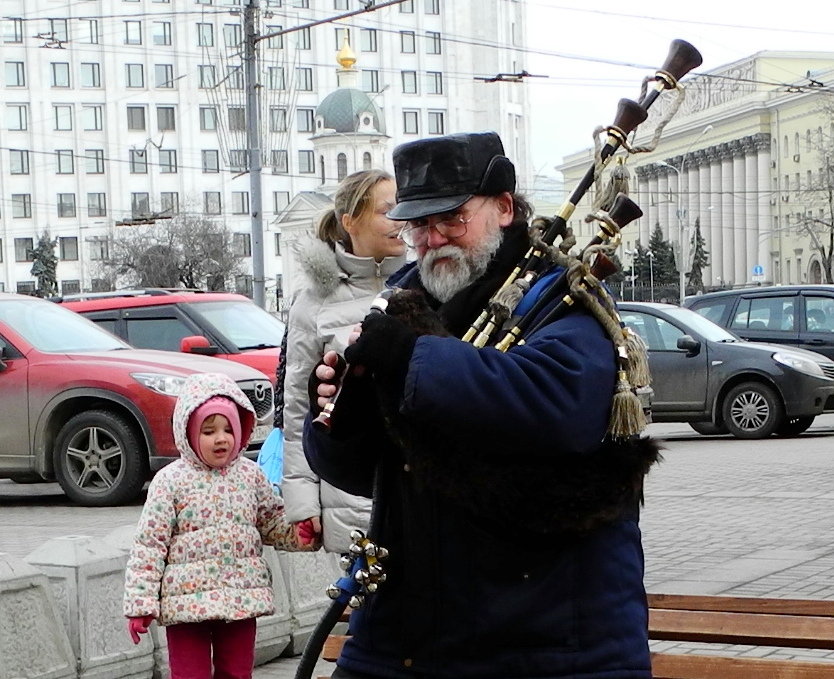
[(797, 315)]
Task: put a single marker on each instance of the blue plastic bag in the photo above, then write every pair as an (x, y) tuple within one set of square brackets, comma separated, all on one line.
[(271, 458)]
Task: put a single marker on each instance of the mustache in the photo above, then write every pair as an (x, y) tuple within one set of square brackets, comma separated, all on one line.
[(446, 251)]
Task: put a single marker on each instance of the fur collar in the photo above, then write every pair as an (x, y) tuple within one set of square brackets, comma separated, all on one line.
[(318, 262)]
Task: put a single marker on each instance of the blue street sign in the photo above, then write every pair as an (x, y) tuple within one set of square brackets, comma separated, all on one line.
[(758, 270)]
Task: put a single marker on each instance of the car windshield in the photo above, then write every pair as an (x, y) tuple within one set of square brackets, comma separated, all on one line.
[(244, 324), (53, 329), (705, 327)]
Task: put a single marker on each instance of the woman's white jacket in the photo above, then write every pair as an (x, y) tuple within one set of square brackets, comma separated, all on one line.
[(336, 294)]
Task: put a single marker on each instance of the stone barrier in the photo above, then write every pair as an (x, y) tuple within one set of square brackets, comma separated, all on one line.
[(61, 610)]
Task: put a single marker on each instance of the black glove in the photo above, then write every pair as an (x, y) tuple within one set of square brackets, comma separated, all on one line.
[(384, 347), (313, 383)]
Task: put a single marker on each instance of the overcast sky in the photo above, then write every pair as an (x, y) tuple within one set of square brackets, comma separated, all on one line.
[(616, 44)]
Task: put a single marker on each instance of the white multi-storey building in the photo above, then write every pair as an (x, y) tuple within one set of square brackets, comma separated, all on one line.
[(118, 109)]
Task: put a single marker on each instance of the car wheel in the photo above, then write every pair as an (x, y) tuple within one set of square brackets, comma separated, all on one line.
[(794, 426), (99, 460), (708, 428), (752, 410)]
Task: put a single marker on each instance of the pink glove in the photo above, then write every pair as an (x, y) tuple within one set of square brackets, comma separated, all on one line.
[(306, 531), (138, 625)]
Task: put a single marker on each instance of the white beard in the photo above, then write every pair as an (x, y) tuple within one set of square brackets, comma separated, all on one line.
[(461, 267)]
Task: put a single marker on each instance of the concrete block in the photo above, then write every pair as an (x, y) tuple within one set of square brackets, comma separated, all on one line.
[(33, 639), (274, 631), (87, 578), (306, 576)]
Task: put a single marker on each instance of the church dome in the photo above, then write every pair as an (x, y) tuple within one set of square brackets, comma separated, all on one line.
[(349, 110)]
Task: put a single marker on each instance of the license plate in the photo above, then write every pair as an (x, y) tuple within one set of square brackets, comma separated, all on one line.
[(260, 433)]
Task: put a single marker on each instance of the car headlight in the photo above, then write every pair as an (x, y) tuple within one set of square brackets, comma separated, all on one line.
[(800, 363), (170, 385)]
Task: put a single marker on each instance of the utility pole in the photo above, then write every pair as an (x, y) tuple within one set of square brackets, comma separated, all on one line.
[(253, 138)]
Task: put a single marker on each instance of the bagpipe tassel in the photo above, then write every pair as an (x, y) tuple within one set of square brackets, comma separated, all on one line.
[(638, 360), (627, 417)]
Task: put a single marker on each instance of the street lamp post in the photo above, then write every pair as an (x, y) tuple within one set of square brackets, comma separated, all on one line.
[(651, 273), (683, 256)]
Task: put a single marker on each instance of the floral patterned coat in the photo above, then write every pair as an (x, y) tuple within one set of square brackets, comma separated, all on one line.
[(198, 550)]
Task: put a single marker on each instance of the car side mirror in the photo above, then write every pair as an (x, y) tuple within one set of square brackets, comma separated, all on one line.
[(689, 344), (197, 344), (2, 356)]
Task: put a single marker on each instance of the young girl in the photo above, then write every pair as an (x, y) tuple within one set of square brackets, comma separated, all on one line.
[(196, 565)]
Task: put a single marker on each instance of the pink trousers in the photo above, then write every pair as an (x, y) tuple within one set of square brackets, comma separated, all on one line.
[(229, 646)]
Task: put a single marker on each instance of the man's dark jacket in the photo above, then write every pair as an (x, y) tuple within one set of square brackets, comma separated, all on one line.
[(508, 559)]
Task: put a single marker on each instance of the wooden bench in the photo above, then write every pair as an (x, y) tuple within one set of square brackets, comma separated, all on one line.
[(779, 623)]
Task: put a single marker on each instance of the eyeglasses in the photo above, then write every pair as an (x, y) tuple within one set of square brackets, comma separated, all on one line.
[(448, 224)]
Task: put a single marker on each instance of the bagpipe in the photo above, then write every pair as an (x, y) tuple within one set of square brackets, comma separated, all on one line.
[(581, 282)]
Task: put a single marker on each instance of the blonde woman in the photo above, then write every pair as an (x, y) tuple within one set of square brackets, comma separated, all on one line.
[(357, 248)]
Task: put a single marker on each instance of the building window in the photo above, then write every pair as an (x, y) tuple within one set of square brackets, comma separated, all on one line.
[(13, 30), (233, 35), (135, 117), (280, 200), (277, 244), (89, 31), (280, 161), (275, 42), (238, 160), (161, 32), (65, 162), (208, 118), (169, 202), (240, 202), (409, 82), (436, 122), (15, 74), (17, 118), (407, 7), (304, 79), (411, 122), (26, 287), (211, 202), (277, 119), (432, 6), (211, 161), (340, 4), (208, 78), (275, 78), (23, 249), (96, 205), (99, 251), (432, 42), (306, 119), (134, 75), (303, 37), (70, 287), (165, 118), (342, 34), (341, 166), (367, 40), (21, 205), (306, 162), (167, 161), (407, 42), (19, 161), (92, 117), (237, 118), (366, 161), (58, 30), (370, 80), (140, 204), (242, 244), (243, 285), (95, 161), (66, 205), (434, 82), (138, 161), (133, 32), (205, 35), (234, 78), (68, 248), (60, 74), (63, 117), (164, 75)]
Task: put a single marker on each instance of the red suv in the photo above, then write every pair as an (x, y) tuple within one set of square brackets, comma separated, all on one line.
[(210, 323), (82, 407)]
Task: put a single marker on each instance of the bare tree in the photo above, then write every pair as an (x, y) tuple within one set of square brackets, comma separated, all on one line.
[(817, 218), (188, 250)]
